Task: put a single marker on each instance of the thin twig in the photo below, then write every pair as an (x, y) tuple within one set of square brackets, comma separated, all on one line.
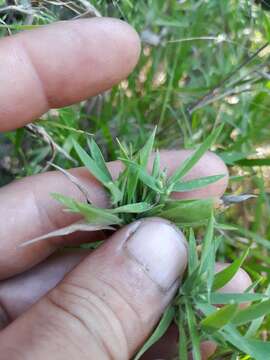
[(41, 132), (74, 181), (20, 9)]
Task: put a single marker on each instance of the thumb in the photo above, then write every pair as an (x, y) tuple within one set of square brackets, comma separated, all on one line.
[(108, 305)]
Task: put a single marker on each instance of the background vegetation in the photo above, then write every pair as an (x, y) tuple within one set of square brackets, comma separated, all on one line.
[(203, 62)]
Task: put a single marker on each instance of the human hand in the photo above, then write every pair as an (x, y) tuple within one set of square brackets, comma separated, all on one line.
[(110, 300)]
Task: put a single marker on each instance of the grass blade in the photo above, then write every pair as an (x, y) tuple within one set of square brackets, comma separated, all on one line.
[(78, 226), (156, 165), (188, 164), (219, 318), (192, 253), (196, 183), (133, 208), (192, 325), (207, 247), (183, 340), (187, 211), (146, 151), (143, 175), (92, 214), (162, 327), (252, 312), (98, 169), (225, 275), (92, 165), (98, 157), (220, 298)]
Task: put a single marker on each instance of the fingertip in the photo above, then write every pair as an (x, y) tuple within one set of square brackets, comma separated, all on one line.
[(130, 42), (122, 37), (63, 63)]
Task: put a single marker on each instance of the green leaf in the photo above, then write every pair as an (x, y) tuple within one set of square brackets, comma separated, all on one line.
[(230, 157), (252, 312), (255, 324), (192, 282), (258, 350), (219, 318), (68, 202), (98, 157), (145, 152), (156, 165), (162, 327), (99, 170), (188, 164), (187, 211), (183, 340), (94, 168), (227, 298), (208, 246), (133, 208), (192, 326), (183, 186), (143, 175), (225, 275), (116, 193), (92, 214), (254, 162), (192, 253)]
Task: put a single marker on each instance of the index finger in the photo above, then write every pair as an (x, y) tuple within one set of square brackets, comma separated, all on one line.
[(60, 64)]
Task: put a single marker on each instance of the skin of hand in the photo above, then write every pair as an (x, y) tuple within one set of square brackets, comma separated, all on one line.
[(72, 304)]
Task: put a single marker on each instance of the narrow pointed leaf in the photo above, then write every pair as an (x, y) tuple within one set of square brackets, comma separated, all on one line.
[(192, 252), (226, 298), (92, 165), (156, 165), (195, 157), (257, 349), (143, 175), (207, 247), (98, 157), (187, 211), (192, 281), (183, 341), (196, 183), (219, 318), (132, 208), (145, 152), (193, 332), (252, 312), (99, 170), (116, 193), (91, 213), (225, 275), (255, 324), (162, 327)]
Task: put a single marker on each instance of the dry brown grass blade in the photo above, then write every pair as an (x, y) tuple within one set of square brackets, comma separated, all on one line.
[(78, 226)]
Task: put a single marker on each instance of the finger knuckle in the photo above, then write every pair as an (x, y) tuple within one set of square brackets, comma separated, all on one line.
[(93, 317)]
